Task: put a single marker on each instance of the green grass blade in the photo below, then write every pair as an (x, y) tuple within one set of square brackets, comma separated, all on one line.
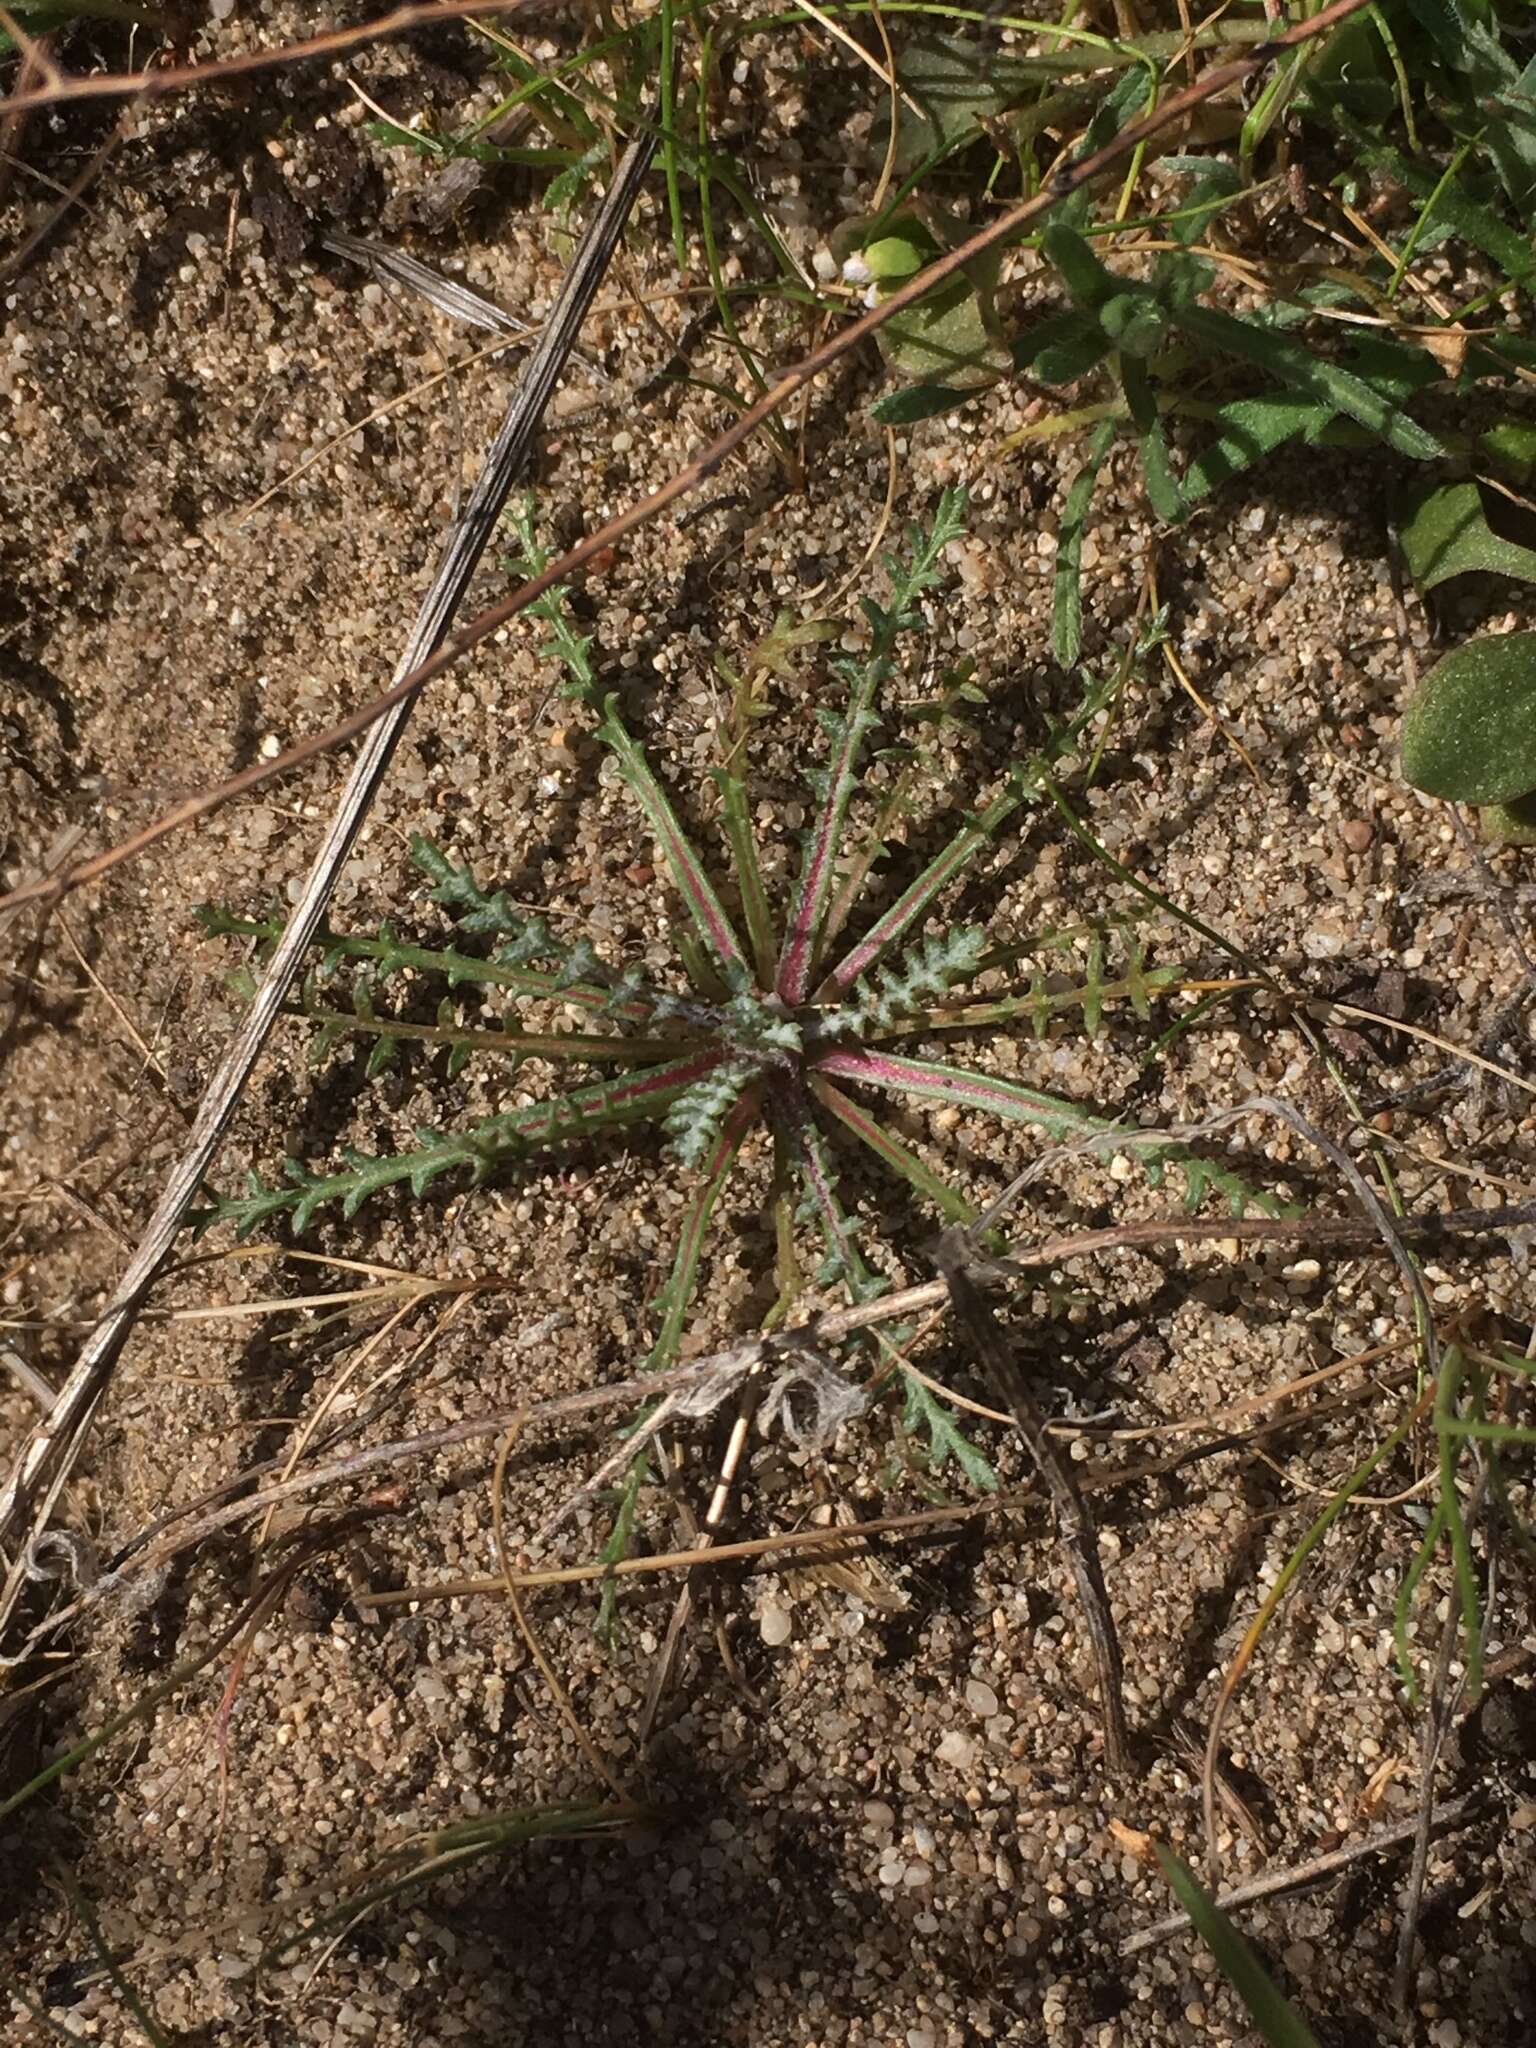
[(448, 1850), (1452, 1368), (152, 2032), (741, 835), (668, 95), (1279, 2023), (849, 730)]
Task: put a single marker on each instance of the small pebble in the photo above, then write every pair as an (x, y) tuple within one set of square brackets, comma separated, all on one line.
[(980, 1698), (957, 1749), (775, 1626), (1357, 834)]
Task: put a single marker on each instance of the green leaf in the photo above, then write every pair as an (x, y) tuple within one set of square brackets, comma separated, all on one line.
[(1074, 356), (1214, 184), (1302, 371), (1085, 277), (1250, 429), (1470, 732), (1067, 613), (949, 336), (1510, 137), (1134, 322), (1511, 448), (1066, 346), (922, 1410), (1454, 207), (951, 85), (1163, 491), (1278, 2021), (1512, 824), (1445, 533), (914, 402)]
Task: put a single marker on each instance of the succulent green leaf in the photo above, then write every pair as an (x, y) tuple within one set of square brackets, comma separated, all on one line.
[(1512, 824), (895, 258), (1470, 732)]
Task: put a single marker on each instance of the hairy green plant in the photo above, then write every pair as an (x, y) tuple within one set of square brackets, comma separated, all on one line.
[(797, 1030)]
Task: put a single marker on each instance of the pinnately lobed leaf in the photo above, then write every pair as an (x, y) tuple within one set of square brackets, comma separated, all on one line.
[(1470, 732)]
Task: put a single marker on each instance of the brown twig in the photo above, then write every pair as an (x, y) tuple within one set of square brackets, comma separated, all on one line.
[(725, 1368), (1455, 1813), (698, 471), (47, 1457), (146, 1552), (174, 78), (998, 1360)]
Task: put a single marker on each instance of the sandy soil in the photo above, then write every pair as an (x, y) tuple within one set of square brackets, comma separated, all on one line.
[(878, 1809)]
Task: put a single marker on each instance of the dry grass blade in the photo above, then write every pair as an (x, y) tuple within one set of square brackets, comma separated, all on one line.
[(47, 1457), (974, 1314), (1455, 1813), (718, 1374), (447, 294)]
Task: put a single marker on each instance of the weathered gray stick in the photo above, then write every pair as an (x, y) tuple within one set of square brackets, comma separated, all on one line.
[(49, 1454)]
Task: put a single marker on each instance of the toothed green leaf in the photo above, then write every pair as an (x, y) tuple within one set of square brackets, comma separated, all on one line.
[(925, 1415)]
